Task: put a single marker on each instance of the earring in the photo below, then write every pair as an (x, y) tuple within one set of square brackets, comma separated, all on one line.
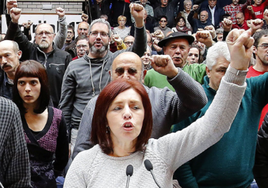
[(107, 129)]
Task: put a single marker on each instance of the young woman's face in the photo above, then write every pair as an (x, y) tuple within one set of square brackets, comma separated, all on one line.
[(29, 89), (125, 117), (181, 23)]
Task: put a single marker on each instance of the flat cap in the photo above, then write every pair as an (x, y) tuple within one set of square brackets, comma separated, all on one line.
[(175, 35)]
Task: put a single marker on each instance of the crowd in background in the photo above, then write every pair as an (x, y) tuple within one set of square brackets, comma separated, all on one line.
[(56, 79)]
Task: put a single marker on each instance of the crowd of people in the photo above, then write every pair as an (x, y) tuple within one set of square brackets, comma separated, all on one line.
[(174, 87)]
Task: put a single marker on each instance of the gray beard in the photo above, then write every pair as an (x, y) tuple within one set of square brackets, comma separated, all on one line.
[(98, 51), (43, 45)]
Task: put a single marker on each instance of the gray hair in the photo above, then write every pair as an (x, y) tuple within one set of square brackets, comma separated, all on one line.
[(187, 1), (103, 21), (220, 49)]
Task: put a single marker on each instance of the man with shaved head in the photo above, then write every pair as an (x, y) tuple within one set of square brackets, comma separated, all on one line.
[(9, 61), (168, 107)]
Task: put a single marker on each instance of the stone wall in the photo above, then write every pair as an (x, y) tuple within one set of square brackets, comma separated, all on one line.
[(48, 7)]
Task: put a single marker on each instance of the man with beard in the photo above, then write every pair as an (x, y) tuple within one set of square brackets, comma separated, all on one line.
[(177, 46), (43, 51), (9, 60), (87, 76)]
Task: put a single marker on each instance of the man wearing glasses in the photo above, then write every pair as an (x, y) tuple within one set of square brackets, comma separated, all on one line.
[(163, 25), (215, 13), (87, 76), (240, 21), (43, 51)]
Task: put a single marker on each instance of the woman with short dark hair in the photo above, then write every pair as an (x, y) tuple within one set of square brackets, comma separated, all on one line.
[(44, 126)]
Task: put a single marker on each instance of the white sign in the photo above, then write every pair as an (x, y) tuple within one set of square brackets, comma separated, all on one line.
[(73, 20)]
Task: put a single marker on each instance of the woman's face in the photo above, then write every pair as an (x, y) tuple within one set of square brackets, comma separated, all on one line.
[(181, 23), (125, 117), (121, 22), (29, 89)]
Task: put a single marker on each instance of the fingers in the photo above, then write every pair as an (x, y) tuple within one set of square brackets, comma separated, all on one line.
[(15, 10), (202, 34), (160, 60), (240, 38), (136, 7)]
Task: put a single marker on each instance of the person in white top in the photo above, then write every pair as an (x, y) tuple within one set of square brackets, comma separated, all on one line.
[(122, 123)]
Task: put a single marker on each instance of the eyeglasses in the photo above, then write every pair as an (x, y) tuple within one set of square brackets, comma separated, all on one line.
[(163, 21), (81, 46), (44, 32), (264, 45), (96, 33)]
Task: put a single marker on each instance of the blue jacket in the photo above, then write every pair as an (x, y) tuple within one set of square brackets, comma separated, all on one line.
[(218, 14)]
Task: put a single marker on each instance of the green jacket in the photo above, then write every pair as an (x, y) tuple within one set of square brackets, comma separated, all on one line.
[(196, 71)]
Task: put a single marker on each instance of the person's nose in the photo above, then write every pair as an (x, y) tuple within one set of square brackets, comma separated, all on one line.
[(125, 75), (178, 50), (127, 113), (27, 87), (4, 60)]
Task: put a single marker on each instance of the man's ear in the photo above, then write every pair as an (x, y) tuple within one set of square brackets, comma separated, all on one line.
[(110, 73), (144, 74), (208, 72), (19, 54), (254, 49)]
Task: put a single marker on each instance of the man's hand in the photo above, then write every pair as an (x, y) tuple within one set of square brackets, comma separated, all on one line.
[(10, 4), (60, 11), (204, 37), (211, 30), (195, 7), (265, 15), (240, 46), (227, 24), (164, 65), (138, 13), (255, 25), (84, 17), (27, 25), (117, 39), (15, 14), (250, 9), (158, 34)]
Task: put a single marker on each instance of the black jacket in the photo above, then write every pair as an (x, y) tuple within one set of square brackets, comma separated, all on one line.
[(55, 62), (260, 169)]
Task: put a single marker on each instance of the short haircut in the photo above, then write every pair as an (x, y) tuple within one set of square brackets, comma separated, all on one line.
[(71, 27), (121, 17), (32, 68), (187, 1), (101, 20), (258, 35), (82, 37), (163, 16), (105, 99), (43, 24), (220, 49)]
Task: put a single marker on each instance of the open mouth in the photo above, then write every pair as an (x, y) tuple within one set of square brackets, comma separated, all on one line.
[(128, 126)]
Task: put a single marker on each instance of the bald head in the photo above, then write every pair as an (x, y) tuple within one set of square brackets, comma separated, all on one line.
[(83, 28), (10, 44), (9, 57), (127, 65)]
